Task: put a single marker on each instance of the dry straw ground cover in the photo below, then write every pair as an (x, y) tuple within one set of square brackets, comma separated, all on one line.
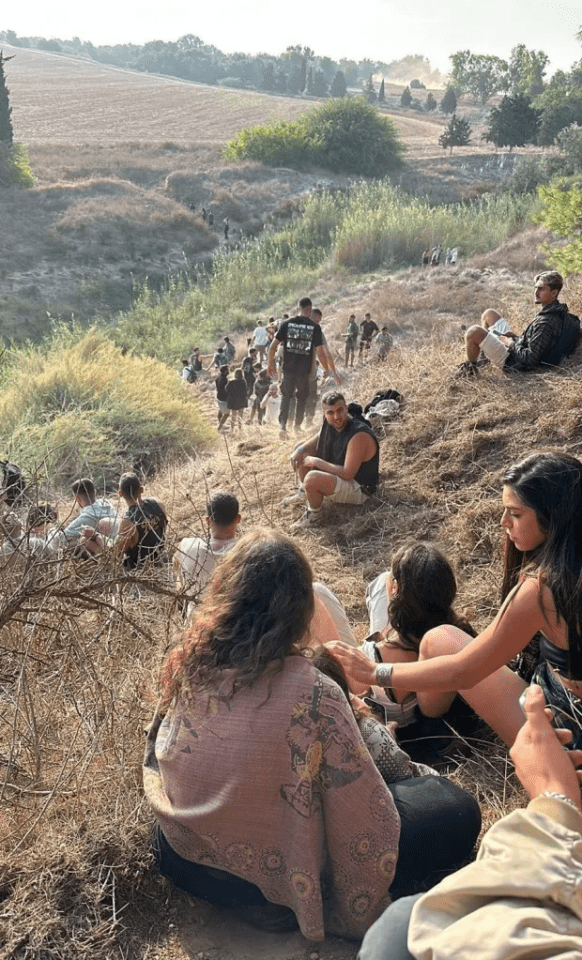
[(81, 654)]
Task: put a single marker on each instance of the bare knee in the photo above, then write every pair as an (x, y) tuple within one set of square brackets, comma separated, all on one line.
[(489, 317), (475, 334), (442, 640)]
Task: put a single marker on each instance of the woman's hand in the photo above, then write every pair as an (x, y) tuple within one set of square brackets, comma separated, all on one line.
[(541, 762), (357, 665)]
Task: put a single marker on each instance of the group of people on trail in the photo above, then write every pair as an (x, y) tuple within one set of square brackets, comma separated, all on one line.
[(274, 771), (433, 256), (133, 537)]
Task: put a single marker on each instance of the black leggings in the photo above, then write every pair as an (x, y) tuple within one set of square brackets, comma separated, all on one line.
[(439, 824)]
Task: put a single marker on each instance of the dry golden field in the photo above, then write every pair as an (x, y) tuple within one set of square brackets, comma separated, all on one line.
[(120, 156)]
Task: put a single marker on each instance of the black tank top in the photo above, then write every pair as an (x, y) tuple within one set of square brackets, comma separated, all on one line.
[(150, 522), (332, 446)]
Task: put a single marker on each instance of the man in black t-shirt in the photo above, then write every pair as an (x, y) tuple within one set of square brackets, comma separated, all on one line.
[(300, 336), (367, 330)]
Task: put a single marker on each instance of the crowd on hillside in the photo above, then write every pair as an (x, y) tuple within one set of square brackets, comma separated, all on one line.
[(294, 774)]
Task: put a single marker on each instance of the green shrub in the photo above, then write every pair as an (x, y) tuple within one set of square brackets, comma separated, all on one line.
[(562, 214), (15, 169), (281, 143), (82, 408), (385, 227), (346, 135), (352, 137)]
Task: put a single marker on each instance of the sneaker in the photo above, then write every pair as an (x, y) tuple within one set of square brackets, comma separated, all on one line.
[(466, 370), (297, 497), (308, 521)]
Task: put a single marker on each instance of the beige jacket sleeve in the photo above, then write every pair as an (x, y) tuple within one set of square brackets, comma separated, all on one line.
[(521, 899)]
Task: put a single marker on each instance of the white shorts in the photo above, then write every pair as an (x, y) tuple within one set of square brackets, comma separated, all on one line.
[(222, 406), (494, 350), (347, 491)]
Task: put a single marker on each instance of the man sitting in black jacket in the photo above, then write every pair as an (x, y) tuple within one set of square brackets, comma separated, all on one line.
[(552, 335)]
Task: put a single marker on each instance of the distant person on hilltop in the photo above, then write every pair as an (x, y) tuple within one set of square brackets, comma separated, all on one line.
[(229, 350), (222, 396), (551, 336), (368, 328), (351, 337)]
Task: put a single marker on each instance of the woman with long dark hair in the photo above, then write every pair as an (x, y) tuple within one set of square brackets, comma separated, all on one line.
[(416, 594), (542, 593)]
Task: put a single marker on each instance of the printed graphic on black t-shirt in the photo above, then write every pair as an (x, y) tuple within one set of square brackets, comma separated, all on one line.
[(300, 336)]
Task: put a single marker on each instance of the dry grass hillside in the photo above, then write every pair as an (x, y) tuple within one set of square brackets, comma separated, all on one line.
[(81, 660), (119, 158)]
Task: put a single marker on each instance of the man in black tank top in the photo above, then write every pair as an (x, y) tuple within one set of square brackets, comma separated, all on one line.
[(341, 463), (143, 528)]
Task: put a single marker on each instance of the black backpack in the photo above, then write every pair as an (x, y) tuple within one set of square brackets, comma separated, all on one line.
[(384, 395), (13, 485)]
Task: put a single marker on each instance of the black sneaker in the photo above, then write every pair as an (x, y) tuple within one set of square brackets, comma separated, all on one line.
[(466, 370)]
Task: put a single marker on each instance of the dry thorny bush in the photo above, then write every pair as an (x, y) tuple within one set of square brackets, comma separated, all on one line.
[(81, 650)]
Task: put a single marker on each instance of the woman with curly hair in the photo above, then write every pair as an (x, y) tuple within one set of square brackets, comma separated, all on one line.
[(264, 795)]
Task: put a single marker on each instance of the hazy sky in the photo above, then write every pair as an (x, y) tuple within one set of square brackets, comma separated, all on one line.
[(379, 29)]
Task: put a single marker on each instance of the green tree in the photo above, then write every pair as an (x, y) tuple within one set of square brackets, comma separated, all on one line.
[(320, 87), (562, 214), (338, 85), (352, 137), (449, 101), (513, 123), (405, 97), (280, 81), (346, 136), (6, 131), (369, 92), (481, 75), (268, 76), (456, 134), (569, 142), (560, 105), (526, 71), (430, 103), (381, 93)]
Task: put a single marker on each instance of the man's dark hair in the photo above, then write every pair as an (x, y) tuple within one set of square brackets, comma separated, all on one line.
[(316, 312), (332, 397), (85, 488), (305, 302), (129, 485), (224, 369), (40, 513), (554, 280), (227, 339), (223, 509)]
